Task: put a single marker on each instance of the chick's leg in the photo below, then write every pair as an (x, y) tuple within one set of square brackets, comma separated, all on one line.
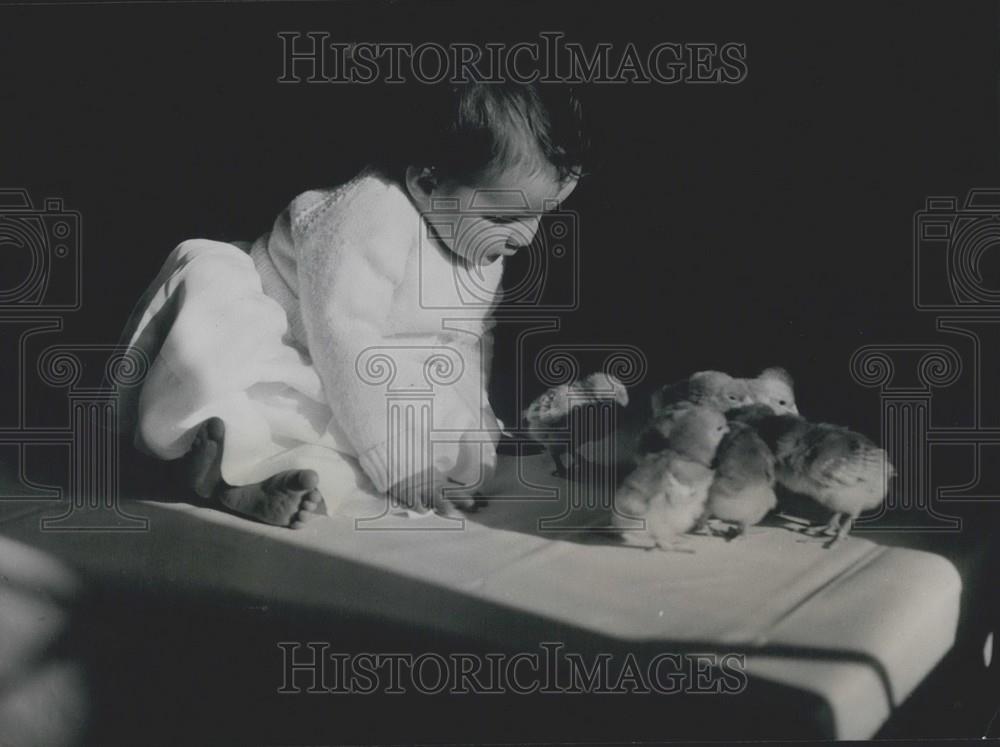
[(557, 453), (701, 525), (845, 527), (832, 526), (736, 531), (666, 540)]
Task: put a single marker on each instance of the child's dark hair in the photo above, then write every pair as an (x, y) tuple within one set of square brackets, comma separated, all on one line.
[(468, 132)]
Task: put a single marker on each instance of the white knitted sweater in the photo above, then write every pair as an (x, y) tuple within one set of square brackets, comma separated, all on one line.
[(362, 283)]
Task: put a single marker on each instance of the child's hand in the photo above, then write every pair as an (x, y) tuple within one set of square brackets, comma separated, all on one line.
[(426, 492)]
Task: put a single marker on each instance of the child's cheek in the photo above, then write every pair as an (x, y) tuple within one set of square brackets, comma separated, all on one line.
[(478, 241)]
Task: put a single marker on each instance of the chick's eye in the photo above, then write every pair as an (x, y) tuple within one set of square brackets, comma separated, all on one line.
[(782, 402), (732, 396)]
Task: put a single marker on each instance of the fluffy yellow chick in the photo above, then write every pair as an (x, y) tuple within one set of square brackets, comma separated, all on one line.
[(774, 387), (668, 489), (742, 492), (547, 418), (839, 469), (714, 389)]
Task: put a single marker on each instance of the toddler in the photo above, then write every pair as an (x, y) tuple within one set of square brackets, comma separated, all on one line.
[(271, 362)]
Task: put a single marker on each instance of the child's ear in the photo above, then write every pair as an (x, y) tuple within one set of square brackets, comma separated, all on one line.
[(420, 183)]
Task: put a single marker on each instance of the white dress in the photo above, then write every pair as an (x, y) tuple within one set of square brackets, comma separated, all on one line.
[(345, 341)]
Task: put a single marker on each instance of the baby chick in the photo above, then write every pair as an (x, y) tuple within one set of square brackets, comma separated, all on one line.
[(774, 388), (547, 418), (714, 389), (839, 469), (669, 488), (770, 425), (742, 492)]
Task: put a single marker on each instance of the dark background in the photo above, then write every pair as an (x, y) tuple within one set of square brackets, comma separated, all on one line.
[(730, 227)]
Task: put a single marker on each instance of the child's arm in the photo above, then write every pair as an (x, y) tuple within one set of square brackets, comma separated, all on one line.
[(348, 272)]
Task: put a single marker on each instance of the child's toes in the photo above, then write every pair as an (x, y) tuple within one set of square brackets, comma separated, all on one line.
[(202, 464), (313, 502), (300, 479), (215, 429), (292, 481)]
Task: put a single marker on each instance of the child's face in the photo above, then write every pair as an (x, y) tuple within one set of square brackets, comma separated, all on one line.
[(490, 220)]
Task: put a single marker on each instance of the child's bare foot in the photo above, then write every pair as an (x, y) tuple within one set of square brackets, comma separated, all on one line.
[(201, 468), (288, 499)]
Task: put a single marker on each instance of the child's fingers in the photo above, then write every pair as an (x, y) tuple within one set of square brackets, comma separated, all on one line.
[(463, 500), (414, 493), (419, 501), (443, 506), (459, 495), (443, 497), (405, 498), (433, 492), (466, 494)]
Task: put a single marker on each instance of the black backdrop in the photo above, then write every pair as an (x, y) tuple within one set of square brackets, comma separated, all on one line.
[(732, 227)]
